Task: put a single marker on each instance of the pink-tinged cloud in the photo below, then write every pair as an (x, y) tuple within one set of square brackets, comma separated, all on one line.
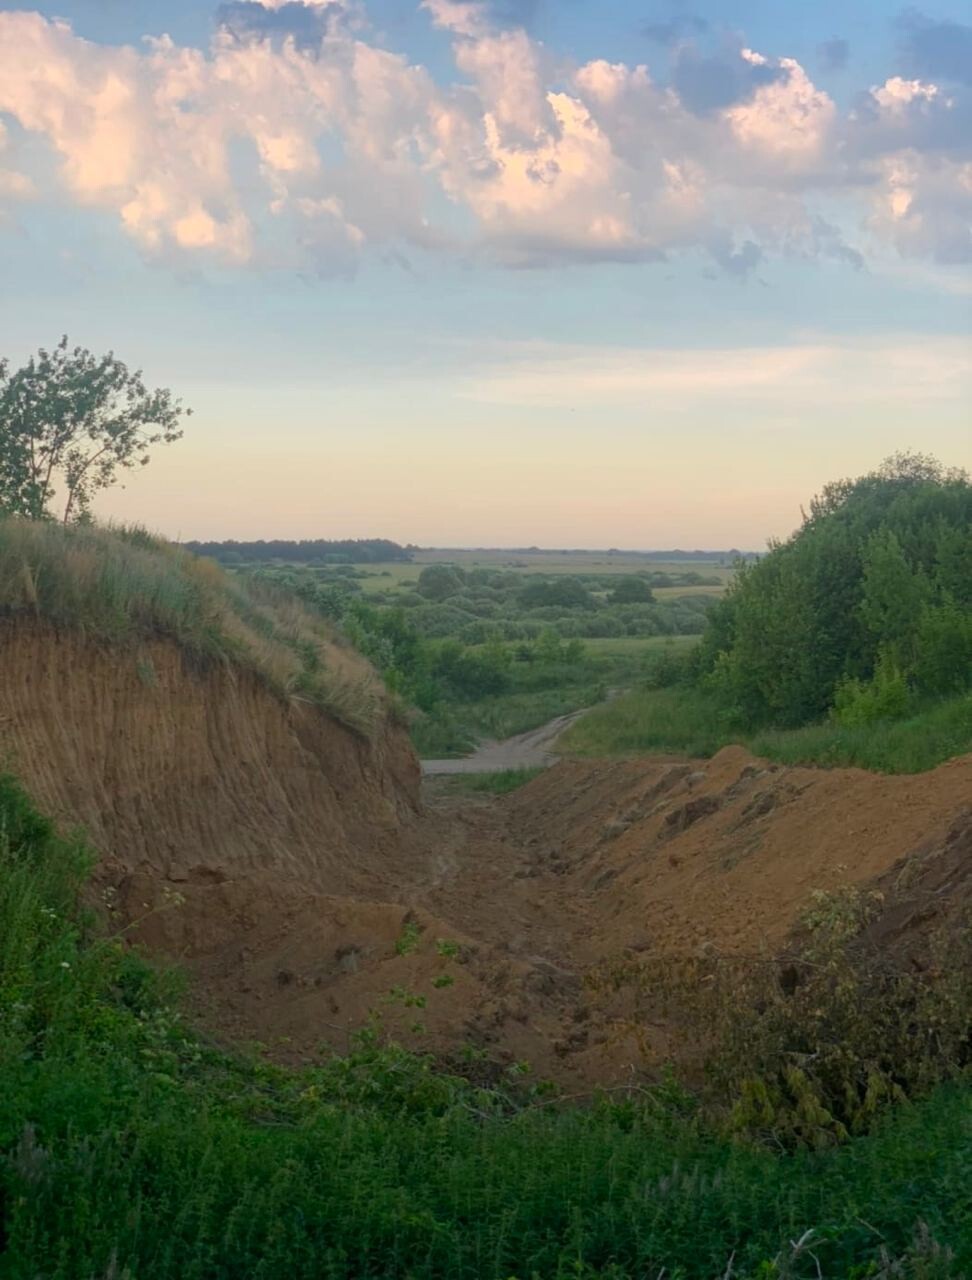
[(268, 151)]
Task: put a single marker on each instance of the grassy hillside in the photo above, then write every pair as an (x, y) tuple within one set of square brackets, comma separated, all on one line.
[(129, 1148), (123, 586)]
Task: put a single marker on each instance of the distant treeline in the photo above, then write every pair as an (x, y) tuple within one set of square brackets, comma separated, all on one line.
[(668, 557), (306, 551)]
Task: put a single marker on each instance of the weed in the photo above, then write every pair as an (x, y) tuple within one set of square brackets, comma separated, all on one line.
[(408, 939)]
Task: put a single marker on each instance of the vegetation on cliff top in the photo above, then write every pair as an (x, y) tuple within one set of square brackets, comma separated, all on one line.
[(123, 586)]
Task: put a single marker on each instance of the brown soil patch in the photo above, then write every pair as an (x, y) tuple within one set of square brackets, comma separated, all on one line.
[(293, 868)]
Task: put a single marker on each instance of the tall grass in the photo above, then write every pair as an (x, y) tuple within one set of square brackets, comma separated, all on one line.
[(932, 734), (679, 719), (128, 1148), (684, 720), (121, 585)]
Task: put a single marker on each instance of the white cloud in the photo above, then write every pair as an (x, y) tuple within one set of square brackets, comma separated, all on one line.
[(684, 380), (270, 150), (788, 121)]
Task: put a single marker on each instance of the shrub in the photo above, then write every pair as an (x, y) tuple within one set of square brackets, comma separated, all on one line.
[(943, 664), (885, 697)]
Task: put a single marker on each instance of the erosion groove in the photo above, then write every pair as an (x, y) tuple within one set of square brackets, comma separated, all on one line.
[(175, 769), (291, 865)]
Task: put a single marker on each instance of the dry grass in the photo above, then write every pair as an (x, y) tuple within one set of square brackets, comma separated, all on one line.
[(123, 584)]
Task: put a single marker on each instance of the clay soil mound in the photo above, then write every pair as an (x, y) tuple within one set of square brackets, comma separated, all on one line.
[(292, 866)]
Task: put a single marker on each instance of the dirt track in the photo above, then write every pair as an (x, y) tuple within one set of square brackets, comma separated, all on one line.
[(530, 750)]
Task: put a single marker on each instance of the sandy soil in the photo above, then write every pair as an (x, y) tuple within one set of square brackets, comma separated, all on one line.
[(298, 873)]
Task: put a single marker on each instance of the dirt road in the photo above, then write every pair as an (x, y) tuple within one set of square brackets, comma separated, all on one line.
[(530, 750)]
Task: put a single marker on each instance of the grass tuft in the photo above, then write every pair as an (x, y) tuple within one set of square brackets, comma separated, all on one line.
[(496, 784)]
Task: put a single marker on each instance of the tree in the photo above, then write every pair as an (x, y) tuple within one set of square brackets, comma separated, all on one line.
[(561, 592), (631, 590), (440, 581), (70, 421), (893, 596), (872, 589)]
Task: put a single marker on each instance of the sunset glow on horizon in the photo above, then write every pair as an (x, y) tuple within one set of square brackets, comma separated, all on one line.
[(499, 274)]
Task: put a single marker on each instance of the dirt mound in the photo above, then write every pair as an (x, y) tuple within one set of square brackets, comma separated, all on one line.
[(726, 852), (290, 863)]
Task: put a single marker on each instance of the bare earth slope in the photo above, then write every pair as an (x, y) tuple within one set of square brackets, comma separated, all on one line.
[(184, 772), (312, 889)]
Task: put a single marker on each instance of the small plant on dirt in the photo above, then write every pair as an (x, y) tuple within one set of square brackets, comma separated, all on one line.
[(448, 950), (408, 939), (407, 999)]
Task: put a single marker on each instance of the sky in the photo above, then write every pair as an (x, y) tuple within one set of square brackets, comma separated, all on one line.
[(635, 273)]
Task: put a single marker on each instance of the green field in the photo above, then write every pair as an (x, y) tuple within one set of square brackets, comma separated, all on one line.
[(577, 563), (491, 644), (639, 645)]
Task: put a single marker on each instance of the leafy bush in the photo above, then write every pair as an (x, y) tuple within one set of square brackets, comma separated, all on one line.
[(440, 581), (943, 649), (631, 590), (884, 697), (562, 592), (668, 666)]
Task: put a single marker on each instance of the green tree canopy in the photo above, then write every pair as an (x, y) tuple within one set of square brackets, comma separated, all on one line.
[(631, 590), (566, 592), (440, 581), (69, 422), (878, 577)]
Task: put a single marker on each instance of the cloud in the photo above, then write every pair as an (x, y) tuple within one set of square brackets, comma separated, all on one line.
[(938, 50), (15, 187), (915, 371), (833, 54), (295, 142)]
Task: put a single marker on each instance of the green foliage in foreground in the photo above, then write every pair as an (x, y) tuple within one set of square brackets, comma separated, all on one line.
[(127, 1149), (123, 586), (686, 720)]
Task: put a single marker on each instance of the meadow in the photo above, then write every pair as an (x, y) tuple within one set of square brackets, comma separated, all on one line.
[(687, 721), (485, 645)]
